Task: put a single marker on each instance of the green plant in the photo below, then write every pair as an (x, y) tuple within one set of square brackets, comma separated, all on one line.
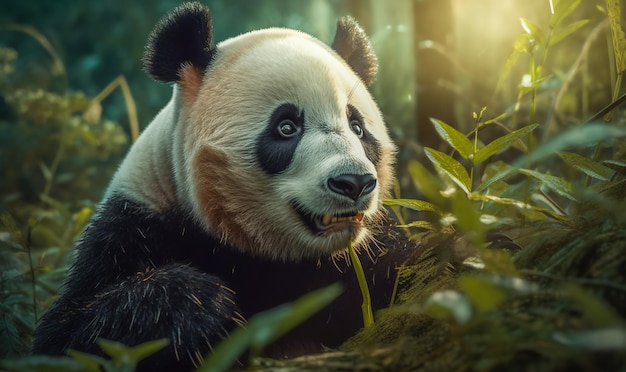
[(56, 154)]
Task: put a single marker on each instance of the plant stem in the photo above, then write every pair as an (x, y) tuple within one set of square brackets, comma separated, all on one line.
[(366, 307), (32, 271), (533, 91)]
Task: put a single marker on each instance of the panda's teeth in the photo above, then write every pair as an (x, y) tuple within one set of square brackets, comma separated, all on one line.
[(330, 219)]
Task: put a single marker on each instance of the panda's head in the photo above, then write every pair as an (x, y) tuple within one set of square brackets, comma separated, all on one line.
[(279, 148)]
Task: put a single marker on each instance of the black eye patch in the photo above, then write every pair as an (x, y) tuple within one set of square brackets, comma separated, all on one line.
[(369, 142), (277, 143)]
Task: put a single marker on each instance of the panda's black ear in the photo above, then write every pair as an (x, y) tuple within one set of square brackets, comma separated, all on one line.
[(353, 45), (182, 37)]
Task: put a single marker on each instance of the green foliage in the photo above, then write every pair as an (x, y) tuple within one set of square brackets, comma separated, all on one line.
[(619, 42), (264, 328), (54, 161), (121, 359), (559, 284)]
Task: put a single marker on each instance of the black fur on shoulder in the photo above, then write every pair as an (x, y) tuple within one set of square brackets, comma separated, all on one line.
[(182, 36), (353, 45)]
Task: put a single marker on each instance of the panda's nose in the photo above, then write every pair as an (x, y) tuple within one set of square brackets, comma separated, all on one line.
[(352, 185)]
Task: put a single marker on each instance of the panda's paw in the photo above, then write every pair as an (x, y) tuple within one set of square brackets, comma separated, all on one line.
[(194, 310)]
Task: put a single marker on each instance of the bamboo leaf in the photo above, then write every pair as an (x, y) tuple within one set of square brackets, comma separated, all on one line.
[(529, 86), (42, 363), (500, 144), (449, 304), (534, 31), (81, 218), (561, 34), (47, 173), (413, 204), (516, 203), (446, 164), (562, 9), (613, 8), (134, 354), (426, 182), (587, 166), (456, 139), (265, 327), (521, 46), (618, 166), (468, 219), (484, 295), (91, 362), (426, 225), (556, 184), (585, 135)]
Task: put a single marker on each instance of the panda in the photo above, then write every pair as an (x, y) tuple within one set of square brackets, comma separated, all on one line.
[(242, 194)]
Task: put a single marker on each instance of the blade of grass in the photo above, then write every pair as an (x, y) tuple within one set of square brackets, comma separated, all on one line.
[(366, 307)]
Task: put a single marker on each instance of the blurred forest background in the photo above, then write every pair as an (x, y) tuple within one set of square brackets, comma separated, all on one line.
[(64, 128), (439, 59)]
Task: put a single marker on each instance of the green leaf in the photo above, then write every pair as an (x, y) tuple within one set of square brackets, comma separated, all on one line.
[(596, 311), (587, 166), (484, 295), (91, 362), (43, 363), (9, 223), (81, 218), (498, 261), (618, 166), (413, 204), (561, 34), (267, 326), (45, 171), (446, 164), (449, 304), (516, 203), (534, 31), (562, 9), (534, 85), (617, 33), (126, 357), (585, 135), (468, 219), (556, 184), (426, 225), (425, 182), (456, 139), (602, 340), (500, 144), (521, 46)]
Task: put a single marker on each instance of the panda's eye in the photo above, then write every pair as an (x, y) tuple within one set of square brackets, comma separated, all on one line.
[(355, 125), (287, 128)]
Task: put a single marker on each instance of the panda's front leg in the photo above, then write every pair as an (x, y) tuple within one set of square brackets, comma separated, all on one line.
[(192, 309)]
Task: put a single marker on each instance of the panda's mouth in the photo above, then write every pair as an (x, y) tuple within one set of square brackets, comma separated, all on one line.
[(324, 224)]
